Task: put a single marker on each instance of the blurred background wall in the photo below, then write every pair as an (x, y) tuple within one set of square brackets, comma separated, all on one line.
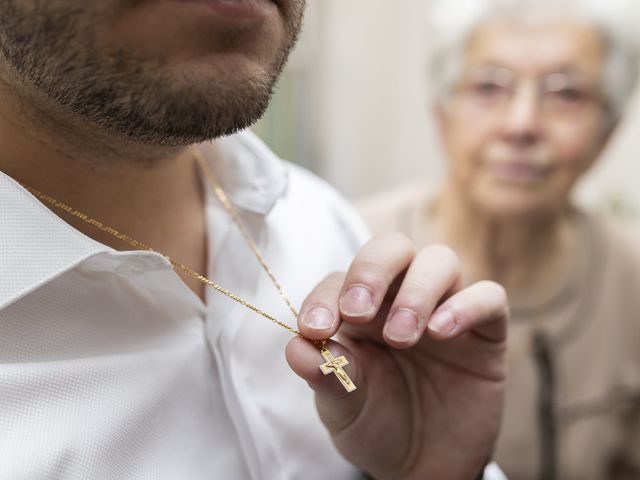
[(352, 106)]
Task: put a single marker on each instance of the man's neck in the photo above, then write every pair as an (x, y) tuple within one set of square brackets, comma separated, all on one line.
[(152, 194), (527, 256)]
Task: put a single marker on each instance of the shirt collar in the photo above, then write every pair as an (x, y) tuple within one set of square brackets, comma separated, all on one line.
[(253, 177), (37, 246)]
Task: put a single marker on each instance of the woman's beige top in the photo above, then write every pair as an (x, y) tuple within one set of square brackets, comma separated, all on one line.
[(573, 394)]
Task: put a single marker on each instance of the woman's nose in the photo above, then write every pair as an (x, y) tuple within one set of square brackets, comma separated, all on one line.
[(522, 121)]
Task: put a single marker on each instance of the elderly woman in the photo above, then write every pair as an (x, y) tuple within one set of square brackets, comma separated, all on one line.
[(528, 95)]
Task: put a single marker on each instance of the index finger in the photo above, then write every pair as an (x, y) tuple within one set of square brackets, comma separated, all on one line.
[(371, 274), (365, 285)]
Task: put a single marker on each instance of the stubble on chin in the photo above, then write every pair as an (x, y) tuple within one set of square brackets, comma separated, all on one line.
[(54, 51)]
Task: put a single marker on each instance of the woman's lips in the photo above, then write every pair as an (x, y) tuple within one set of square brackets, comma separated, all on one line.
[(519, 172)]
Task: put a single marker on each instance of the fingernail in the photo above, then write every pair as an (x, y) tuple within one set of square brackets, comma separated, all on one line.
[(443, 322), (403, 326), (318, 318), (357, 301)]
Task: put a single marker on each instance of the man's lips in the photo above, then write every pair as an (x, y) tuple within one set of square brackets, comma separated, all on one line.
[(240, 9)]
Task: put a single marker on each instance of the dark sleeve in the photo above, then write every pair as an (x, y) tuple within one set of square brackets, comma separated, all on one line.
[(626, 464)]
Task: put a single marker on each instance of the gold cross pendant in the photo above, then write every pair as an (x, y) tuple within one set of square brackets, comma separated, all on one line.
[(334, 365)]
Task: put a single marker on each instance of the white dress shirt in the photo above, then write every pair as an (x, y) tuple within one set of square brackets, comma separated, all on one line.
[(111, 368)]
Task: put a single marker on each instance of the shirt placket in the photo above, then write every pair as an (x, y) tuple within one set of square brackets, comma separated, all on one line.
[(234, 267)]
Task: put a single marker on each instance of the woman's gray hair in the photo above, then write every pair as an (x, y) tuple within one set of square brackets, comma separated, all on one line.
[(452, 23)]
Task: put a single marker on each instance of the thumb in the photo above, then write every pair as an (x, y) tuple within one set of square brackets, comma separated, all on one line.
[(337, 407)]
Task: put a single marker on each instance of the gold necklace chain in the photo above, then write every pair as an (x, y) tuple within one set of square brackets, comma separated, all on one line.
[(175, 263), (332, 364), (228, 206)]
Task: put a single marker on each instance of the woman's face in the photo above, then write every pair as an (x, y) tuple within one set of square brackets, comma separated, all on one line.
[(527, 117)]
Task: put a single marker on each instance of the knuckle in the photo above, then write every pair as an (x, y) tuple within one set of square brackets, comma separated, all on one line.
[(390, 244), (494, 289), (443, 251), (330, 284), (444, 254), (402, 241), (370, 273), (458, 309), (497, 293), (413, 298), (335, 277)]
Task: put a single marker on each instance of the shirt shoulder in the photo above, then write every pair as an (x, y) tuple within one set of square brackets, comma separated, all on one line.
[(622, 236), (617, 250), (315, 204)]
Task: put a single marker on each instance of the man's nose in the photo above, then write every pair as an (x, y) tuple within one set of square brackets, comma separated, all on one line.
[(522, 122)]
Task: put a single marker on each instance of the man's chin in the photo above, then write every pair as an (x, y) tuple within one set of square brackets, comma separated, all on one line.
[(183, 130), (199, 109), (156, 100)]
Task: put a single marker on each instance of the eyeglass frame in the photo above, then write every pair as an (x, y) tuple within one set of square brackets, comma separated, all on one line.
[(560, 93)]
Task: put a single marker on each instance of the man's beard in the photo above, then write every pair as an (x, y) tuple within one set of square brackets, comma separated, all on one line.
[(54, 50)]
